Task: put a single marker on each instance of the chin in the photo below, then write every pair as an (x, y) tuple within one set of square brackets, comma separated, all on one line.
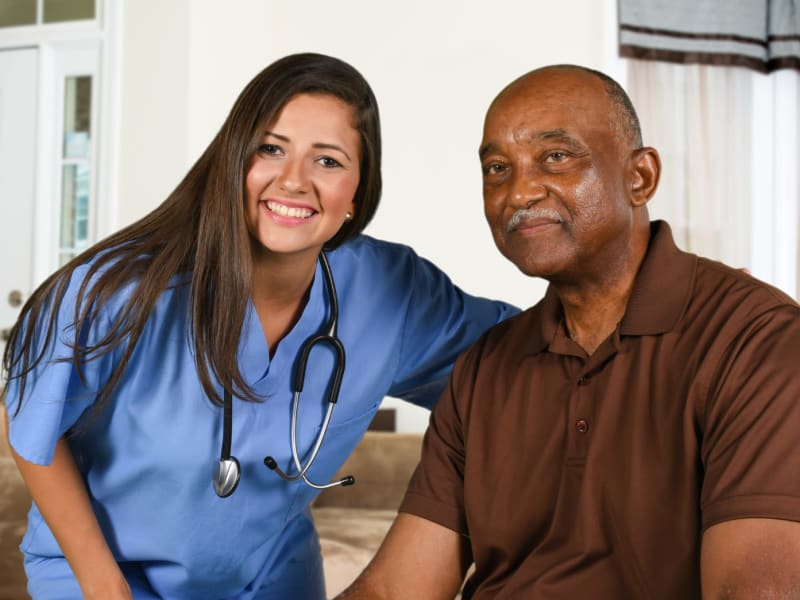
[(546, 269)]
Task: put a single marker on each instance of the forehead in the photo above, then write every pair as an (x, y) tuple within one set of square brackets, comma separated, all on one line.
[(550, 104), (322, 112)]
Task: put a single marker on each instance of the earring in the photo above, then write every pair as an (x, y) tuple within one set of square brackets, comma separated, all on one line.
[(348, 216)]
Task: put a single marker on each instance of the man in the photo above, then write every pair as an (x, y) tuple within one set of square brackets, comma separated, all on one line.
[(633, 435)]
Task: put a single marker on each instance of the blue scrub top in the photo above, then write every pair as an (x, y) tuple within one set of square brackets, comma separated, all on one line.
[(148, 460)]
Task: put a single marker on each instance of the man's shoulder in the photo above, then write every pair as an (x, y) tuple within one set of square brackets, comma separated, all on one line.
[(727, 306), (736, 291)]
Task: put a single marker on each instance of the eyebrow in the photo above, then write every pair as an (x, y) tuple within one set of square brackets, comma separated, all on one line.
[(551, 134), (558, 134), (487, 149), (318, 145)]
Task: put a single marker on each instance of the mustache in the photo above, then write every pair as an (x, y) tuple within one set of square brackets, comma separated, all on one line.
[(527, 214)]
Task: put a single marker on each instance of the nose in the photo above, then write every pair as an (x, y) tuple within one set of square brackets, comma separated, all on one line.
[(526, 190), (293, 178)]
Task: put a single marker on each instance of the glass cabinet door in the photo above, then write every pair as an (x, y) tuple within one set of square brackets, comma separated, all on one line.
[(76, 167), (17, 12), (57, 11), (14, 13)]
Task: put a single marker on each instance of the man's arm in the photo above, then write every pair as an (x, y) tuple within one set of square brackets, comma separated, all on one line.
[(418, 559), (751, 558)]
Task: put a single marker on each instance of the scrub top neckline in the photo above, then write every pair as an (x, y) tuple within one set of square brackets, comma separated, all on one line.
[(254, 360)]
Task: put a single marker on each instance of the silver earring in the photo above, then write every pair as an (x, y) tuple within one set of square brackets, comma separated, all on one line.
[(348, 216)]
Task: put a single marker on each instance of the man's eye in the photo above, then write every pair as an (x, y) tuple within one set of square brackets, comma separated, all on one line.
[(494, 169), (556, 156), (328, 162)]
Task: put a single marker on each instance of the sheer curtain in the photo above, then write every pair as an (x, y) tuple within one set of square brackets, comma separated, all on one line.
[(729, 136)]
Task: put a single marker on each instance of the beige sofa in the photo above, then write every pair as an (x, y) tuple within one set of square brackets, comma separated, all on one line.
[(14, 503), (352, 521)]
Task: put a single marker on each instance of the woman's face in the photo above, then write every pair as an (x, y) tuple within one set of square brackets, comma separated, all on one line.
[(302, 179)]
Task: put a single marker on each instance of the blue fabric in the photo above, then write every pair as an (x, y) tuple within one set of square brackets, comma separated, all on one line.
[(148, 460)]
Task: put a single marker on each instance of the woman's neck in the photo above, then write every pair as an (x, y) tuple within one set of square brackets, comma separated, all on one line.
[(281, 284)]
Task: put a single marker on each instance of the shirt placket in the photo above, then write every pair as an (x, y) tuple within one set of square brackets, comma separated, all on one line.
[(584, 402)]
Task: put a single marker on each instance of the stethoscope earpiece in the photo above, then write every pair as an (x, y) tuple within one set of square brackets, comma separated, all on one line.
[(344, 481), (226, 478)]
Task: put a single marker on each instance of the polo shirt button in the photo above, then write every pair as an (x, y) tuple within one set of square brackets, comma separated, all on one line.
[(582, 425), (582, 380)]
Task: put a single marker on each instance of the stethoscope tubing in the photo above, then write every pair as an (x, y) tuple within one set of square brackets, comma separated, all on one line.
[(226, 478)]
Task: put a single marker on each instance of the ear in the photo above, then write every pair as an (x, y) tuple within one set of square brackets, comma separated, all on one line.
[(644, 173)]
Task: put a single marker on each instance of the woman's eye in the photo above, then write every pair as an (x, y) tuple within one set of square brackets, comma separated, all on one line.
[(269, 149), (329, 163)]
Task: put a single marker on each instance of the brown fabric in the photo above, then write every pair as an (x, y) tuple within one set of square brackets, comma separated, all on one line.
[(704, 58), (593, 476)]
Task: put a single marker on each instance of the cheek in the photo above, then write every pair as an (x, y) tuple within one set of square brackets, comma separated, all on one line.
[(592, 202), (341, 193), (492, 206), (254, 182)]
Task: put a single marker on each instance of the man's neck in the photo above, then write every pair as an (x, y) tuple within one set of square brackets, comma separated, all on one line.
[(594, 307), (591, 318)]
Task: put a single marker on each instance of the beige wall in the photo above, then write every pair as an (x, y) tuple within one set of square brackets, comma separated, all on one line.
[(154, 102), (434, 66)]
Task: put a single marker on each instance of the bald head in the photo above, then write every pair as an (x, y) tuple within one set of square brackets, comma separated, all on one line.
[(623, 120)]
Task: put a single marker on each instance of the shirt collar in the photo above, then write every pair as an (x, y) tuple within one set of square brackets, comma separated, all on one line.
[(657, 302), (662, 287)]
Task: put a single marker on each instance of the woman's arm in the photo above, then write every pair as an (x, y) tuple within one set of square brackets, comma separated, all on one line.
[(59, 492)]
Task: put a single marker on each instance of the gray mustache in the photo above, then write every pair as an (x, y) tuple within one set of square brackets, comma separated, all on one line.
[(526, 214)]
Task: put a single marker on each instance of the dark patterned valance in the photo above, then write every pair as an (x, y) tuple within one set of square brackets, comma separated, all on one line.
[(760, 34)]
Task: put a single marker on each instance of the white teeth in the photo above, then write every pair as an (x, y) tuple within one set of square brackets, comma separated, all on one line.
[(289, 211)]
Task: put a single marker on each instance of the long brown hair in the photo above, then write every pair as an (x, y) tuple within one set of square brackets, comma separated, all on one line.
[(198, 231)]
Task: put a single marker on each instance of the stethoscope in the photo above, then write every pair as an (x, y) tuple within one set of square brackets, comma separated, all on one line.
[(226, 477)]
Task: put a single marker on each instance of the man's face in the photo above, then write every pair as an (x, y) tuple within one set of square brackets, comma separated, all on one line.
[(554, 176)]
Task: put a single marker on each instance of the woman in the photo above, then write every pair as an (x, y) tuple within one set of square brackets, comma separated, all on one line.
[(125, 364)]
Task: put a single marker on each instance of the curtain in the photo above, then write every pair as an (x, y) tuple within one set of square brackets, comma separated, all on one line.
[(729, 140), (717, 87), (760, 34)]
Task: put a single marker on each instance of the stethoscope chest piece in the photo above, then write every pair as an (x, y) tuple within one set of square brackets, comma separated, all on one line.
[(226, 477)]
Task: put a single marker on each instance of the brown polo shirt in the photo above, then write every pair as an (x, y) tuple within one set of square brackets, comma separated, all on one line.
[(579, 476)]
